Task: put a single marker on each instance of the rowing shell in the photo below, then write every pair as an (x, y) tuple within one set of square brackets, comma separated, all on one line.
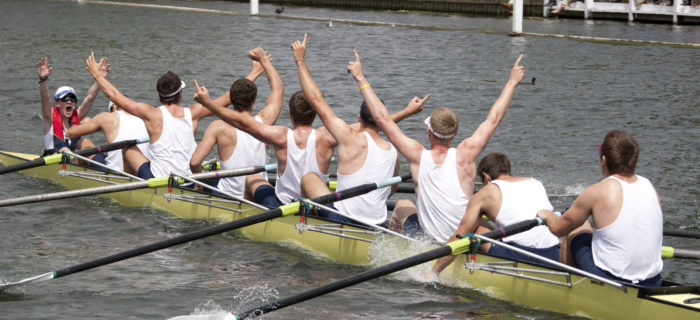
[(532, 285), (342, 243)]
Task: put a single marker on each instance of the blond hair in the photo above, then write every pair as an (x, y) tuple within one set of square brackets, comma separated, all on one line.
[(444, 122)]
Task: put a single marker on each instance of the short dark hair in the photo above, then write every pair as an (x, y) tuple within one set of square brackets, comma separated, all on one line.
[(621, 152), (494, 164), (166, 85), (300, 110), (366, 116), (242, 94)]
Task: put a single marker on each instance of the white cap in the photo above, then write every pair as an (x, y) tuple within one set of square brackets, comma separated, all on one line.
[(63, 91)]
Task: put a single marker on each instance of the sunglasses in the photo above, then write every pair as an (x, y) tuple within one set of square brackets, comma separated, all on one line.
[(69, 99)]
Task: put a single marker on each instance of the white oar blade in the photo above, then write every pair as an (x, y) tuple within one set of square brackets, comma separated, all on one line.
[(45, 276)]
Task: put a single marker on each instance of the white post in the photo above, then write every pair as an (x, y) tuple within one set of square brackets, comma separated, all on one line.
[(589, 6), (517, 16), (676, 9), (633, 8), (253, 7)]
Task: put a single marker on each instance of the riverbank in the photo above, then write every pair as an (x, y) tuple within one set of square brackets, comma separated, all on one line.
[(633, 10)]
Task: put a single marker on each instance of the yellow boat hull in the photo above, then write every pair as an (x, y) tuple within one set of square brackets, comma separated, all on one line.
[(564, 293)]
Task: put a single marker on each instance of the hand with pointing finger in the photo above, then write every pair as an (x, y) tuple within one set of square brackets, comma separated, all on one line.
[(299, 49), (355, 67), (416, 104), (517, 73), (201, 95)]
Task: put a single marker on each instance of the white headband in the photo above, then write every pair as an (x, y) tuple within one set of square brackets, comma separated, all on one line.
[(182, 86), (441, 136)]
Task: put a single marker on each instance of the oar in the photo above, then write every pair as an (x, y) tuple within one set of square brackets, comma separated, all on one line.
[(681, 233), (150, 183), (671, 252), (452, 248), (57, 158), (285, 210)]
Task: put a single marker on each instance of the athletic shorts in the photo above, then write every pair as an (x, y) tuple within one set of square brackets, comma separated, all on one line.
[(144, 171), (582, 250), (265, 195), (413, 229), (551, 253)]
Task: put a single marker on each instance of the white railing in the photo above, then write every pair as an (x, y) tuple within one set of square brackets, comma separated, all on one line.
[(629, 7)]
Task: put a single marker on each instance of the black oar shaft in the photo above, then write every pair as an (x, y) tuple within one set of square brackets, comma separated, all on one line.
[(682, 233), (350, 281), (271, 214), (56, 157), (452, 248), (284, 210)]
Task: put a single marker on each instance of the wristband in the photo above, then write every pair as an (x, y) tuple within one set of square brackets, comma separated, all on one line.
[(42, 80), (364, 86)]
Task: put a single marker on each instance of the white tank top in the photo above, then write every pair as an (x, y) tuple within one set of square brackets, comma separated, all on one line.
[(630, 247), (379, 165), (174, 148), (440, 200), (130, 127), (248, 152), (520, 201), (299, 163)]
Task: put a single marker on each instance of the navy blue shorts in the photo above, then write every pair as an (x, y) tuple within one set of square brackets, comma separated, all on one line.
[(413, 229), (265, 195), (101, 158), (581, 248), (551, 253), (144, 171)]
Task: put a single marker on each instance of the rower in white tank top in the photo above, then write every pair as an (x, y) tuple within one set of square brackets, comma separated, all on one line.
[(130, 127), (299, 163), (630, 246), (174, 148), (379, 165), (248, 152), (440, 200), (520, 201)]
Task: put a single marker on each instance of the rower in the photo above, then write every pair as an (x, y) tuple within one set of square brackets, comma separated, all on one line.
[(299, 150), (624, 240), (363, 156), (170, 127), (117, 125), (506, 200), (65, 114), (235, 147), (443, 176)]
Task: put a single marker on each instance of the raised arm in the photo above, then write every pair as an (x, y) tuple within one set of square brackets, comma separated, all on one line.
[(271, 111), (255, 71), (336, 126), (266, 133), (411, 149), (91, 95), (141, 110), (43, 71), (472, 146)]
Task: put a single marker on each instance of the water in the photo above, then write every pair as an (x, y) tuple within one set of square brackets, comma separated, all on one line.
[(551, 132)]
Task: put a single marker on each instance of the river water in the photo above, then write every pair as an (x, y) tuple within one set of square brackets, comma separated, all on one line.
[(551, 132)]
